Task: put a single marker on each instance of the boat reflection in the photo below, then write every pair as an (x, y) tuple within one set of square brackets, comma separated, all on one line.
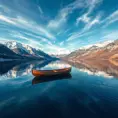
[(42, 79)]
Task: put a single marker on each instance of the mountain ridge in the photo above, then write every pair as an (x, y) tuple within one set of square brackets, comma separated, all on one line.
[(95, 52), (22, 50), (26, 48)]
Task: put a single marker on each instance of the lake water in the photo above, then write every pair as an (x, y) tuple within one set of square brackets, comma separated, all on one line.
[(85, 93)]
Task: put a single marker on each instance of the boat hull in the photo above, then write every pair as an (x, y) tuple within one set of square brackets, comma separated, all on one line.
[(51, 72)]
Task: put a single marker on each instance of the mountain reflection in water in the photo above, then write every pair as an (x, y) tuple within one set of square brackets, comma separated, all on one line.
[(77, 95), (103, 68), (15, 69)]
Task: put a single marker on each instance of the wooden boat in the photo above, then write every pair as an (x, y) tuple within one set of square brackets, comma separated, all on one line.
[(51, 72)]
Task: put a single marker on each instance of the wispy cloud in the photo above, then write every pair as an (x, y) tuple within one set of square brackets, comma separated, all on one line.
[(61, 43), (63, 14), (7, 19), (93, 22), (110, 19), (27, 24), (39, 38), (59, 21), (76, 35), (88, 20), (40, 10), (111, 36), (34, 27), (91, 6), (30, 41)]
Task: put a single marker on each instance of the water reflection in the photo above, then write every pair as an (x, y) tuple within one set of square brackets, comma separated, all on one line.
[(6, 66), (79, 96), (15, 69), (56, 65), (38, 80), (99, 68)]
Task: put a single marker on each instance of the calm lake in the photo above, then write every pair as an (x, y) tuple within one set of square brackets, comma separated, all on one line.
[(85, 93)]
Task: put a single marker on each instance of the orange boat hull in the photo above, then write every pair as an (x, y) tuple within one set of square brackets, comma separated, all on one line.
[(51, 72)]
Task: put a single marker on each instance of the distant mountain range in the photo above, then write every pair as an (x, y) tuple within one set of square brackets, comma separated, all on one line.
[(102, 51), (16, 50)]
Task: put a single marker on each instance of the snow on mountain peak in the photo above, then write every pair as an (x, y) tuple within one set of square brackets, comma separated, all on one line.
[(13, 45), (99, 45), (24, 49)]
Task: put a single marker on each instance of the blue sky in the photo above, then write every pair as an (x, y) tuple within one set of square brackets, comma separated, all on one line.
[(58, 26)]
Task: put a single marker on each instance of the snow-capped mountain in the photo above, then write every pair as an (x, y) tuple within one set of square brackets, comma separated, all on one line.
[(7, 54), (23, 49), (97, 45), (5, 50), (103, 50)]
